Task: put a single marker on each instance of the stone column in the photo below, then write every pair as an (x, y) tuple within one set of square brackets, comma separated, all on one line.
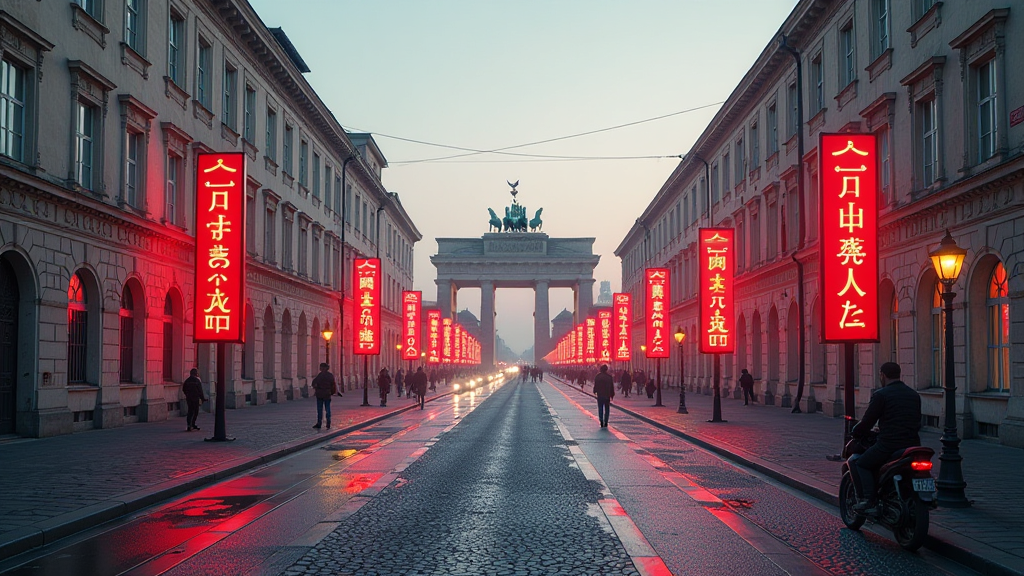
[(487, 324), (446, 297), (541, 321), (584, 299)]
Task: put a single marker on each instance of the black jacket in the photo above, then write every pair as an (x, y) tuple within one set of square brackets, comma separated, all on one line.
[(193, 389), (604, 385), (747, 381), (897, 410)]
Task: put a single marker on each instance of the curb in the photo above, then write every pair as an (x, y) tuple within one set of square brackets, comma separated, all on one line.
[(944, 545), (26, 538)]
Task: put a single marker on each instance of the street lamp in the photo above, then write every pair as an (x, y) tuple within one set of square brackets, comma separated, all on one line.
[(643, 350), (947, 259), (327, 333), (680, 338)]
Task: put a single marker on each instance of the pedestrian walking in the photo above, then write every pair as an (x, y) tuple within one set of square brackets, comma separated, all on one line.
[(626, 383), (747, 383), (384, 384), (639, 378), (192, 387), (399, 381), (324, 386), (433, 380), (418, 383), (604, 389)]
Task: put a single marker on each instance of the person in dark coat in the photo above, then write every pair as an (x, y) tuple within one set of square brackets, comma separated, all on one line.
[(384, 384), (747, 383), (192, 387), (604, 389), (418, 384), (324, 386), (399, 381), (639, 378), (626, 383)]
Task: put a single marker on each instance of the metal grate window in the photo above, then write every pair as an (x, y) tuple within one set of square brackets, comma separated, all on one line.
[(77, 323)]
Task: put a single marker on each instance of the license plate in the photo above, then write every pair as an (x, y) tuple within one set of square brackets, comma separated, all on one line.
[(924, 484)]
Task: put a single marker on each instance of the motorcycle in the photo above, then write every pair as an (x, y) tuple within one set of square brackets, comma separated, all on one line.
[(904, 487)]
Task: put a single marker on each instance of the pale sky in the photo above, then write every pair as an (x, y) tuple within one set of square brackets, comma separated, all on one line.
[(487, 75)]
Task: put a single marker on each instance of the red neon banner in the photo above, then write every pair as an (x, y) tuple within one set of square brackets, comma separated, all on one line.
[(366, 290), (220, 248), (411, 302), (604, 336), (447, 333), (656, 291), (849, 237), (715, 256), (623, 309), (457, 345), (590, 341), (581, 343), (433, 336)]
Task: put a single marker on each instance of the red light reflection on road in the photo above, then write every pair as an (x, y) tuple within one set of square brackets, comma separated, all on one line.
[(359, 483)]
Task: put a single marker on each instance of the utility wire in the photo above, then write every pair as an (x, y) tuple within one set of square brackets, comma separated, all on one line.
[(503, 150)]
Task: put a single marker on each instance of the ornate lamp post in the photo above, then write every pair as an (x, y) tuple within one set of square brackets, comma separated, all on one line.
[(947, 259), (680, 338), (327, 334)]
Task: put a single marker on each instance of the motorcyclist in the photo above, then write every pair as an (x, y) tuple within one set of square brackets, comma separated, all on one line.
[(896, 408)]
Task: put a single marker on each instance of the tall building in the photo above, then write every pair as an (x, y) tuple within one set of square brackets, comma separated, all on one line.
[(105, 105), (604, 296), (933, 81)]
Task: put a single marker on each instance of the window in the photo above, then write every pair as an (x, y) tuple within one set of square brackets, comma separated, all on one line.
[(327, 186), (287, 148), (93, 8), (714, 182), (928, 141), (303, 248), (793, 100), (725, 175), (315, 277), (938, 338), (772, 238), (127, 348), (773, 129), (250, 216), (316, 175), (327, 261), (355, 209), (755, 147), (740, 244), (286, 243), (922, 7), (755, 241), (134, 27), (85, 131), (271, 143), (168, 344), (77, 323), (880, 27), (249, 127), (847, 71), (131, 168), (337, 193), (366, 220), (999, 330), (303, 163), (12, 111), (740, 164), (174, 167), (985, 75), (228, 100), (348, 203), (884, 165), (203, 68), (270, 235), (817, 85), (175, 48), (693, 199)]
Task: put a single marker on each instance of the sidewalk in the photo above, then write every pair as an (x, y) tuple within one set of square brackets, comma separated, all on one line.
[(792, 449), (53, 487)]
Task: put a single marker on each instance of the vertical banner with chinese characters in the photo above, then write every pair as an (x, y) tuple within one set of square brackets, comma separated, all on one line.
[(457, 344), (849, 237), (716, 251), (433, 336), (446, 340), (220, 248), (366, 320), (411, 301), (604, 336), (656, 290), (623, 310), (581, 343), (590, 341)]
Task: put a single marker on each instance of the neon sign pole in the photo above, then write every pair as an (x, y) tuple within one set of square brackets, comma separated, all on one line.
[(656, 291), (220, 264), (715, 253)]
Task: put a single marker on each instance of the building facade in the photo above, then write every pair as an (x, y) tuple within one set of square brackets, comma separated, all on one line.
[(933, 82), (104, 105)]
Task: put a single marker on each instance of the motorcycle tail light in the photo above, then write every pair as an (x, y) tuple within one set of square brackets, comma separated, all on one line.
[(921, 466)]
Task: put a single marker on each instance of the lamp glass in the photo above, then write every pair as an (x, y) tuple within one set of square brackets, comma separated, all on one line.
[(327, 334), (948, 259), (680, 336)]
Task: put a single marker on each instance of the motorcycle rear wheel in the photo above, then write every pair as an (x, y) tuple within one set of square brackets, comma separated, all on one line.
[(847, 498), (913, 531)]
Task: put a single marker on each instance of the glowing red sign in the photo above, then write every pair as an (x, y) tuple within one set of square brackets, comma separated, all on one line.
[(715, 258), (590, 341), (581, 344), (849, 237), (447, 333), (411, 301), (433, 336), (623, 310), (366, 291), (604, 336), (656, 290), (220, 248)]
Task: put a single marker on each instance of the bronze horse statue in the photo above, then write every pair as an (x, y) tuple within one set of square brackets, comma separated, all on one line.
[(495, 222), (536, 222)]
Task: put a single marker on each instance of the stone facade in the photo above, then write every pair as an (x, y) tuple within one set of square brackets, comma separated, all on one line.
[(113, 100), (934, 82)]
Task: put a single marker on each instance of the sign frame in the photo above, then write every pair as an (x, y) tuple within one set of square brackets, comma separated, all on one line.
[(657, 319), (725, 316)]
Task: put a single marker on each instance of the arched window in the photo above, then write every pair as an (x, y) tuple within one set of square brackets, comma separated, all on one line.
[(167, 368), (998, 330), (938, 338), (127, 314), (77, 323)]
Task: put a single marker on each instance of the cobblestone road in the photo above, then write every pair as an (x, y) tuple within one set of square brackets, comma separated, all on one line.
[(495, 495)]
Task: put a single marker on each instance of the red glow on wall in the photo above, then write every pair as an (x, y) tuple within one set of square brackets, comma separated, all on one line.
[(604, 336), (623, 309), (366, 289), (411, 301), (716, 253), (848, 180), (433, 336), (220, 248), (656, 290)]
